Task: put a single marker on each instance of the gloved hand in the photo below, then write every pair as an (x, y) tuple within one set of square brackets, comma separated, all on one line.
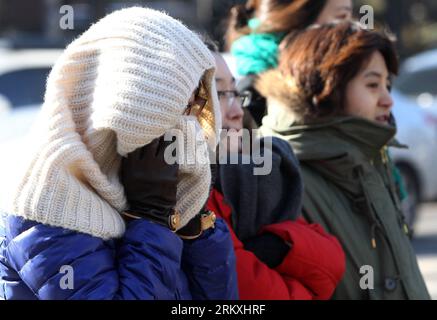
[(202, 221), (269, 248), (150, 184), (317, 259)]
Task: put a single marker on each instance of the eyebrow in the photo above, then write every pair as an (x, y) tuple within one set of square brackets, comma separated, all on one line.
[(375, 74), (344, 8), (221, 79)]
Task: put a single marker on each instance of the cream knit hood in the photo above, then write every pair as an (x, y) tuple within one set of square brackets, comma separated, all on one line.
[(124, 82)]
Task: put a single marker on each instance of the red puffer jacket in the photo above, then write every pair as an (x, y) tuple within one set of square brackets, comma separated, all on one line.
[(311, 269)]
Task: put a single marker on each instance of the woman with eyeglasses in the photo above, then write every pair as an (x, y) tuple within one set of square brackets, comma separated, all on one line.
[(279, 256), (257, 28), (231, 103), (102, 211)]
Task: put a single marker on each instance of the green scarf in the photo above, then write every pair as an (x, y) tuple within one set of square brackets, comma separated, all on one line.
[(400, 184), (256, 52)]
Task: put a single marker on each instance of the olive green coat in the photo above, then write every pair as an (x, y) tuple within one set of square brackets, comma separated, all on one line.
[(349, 189)]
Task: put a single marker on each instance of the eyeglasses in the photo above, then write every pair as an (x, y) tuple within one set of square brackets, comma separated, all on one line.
[(243, 98), (196, 106)]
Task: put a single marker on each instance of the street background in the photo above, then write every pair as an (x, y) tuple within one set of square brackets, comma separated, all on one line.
[(34, 24)]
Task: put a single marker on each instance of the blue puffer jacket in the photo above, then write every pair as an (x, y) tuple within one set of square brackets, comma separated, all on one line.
[(149, 262)]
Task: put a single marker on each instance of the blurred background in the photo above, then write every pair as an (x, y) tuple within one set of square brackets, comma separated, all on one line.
[(31, 40), (35, 23)]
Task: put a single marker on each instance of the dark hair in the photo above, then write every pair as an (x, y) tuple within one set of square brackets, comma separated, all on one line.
[(275, 15), (323, 60)]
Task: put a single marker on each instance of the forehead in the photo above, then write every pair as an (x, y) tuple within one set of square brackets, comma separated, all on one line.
[(375, 66), (339, 4), (222, 72), (376, 63)]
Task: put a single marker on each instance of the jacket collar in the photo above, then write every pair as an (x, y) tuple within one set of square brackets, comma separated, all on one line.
[(335, 146), (329, 137)]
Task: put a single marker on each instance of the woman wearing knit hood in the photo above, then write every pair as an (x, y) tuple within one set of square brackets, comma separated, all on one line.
[(100, 212), (257, 28), (332, 103)]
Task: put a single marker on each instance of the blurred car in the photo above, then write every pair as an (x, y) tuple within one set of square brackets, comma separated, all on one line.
[(418, 79), (23, 75), (416, 112), (417, 128)]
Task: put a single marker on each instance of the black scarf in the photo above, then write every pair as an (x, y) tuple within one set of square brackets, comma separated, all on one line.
[(259, 200)]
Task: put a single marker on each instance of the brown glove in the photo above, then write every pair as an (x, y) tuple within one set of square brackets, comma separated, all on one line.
[(151, 184)]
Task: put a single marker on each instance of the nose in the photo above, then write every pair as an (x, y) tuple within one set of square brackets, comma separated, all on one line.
[(386, 101), (235, 110)]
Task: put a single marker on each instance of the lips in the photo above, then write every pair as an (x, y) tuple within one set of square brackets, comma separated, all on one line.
[(383, 119), (231, 129)]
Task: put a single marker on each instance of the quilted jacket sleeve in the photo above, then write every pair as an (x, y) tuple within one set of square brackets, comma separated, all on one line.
[(317, 259), (256, 281), (311, 270), (43, 262), (53, 263), (209, 264)]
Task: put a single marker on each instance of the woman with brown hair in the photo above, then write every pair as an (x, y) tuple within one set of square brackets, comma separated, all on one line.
[(256, 30), (331, 101)]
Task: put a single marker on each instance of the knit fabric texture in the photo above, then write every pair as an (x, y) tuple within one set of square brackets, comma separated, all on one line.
[(256, 52), (124, 82)]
